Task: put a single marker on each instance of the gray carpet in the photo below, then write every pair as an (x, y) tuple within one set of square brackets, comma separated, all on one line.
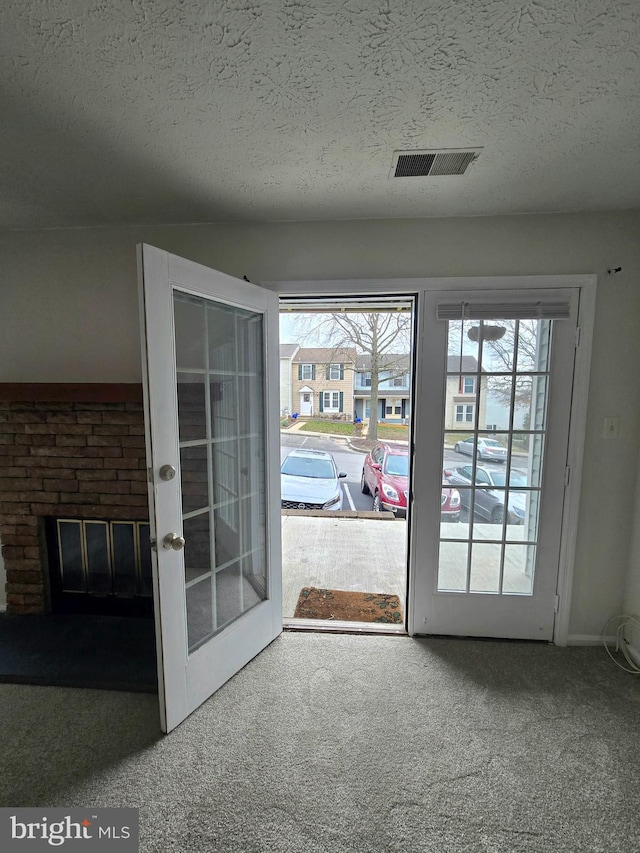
[(353, 743)]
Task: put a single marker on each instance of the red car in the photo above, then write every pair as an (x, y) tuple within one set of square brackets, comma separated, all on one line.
[(385, 475)]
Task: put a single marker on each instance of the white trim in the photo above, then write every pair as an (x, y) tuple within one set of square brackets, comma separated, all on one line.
[(590, 640), (363, 286), (577, 433)]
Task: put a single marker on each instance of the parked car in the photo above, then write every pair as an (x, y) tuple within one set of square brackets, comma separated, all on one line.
[(488, 448), (489, 493), (309, 479), (385, 476)]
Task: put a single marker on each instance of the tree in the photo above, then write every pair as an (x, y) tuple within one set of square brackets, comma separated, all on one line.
[(524, 345), (384, 336)]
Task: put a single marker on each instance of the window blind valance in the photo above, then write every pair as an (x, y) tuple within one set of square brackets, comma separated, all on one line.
[(543, 310)]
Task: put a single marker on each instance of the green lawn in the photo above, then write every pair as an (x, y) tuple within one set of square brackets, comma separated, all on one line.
[(332, 427), (391, 433), (388, 433)]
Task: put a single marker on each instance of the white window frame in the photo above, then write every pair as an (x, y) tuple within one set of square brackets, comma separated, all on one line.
[(472, 380), (334, 368), (307, 368), (335, 398), (466, 412)]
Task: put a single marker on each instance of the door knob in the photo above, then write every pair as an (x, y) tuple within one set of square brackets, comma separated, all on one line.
[(173, 541), (167, 472)]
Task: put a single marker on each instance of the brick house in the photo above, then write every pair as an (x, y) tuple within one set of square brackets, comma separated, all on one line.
[(322, 382)]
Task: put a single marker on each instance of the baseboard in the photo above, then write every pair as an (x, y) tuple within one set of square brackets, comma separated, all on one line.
[(589, 639)]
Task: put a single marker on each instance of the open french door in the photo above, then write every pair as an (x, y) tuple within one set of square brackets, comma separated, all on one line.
[(210, 369)]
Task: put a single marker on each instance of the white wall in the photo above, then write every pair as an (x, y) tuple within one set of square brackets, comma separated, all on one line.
[(69, 313)]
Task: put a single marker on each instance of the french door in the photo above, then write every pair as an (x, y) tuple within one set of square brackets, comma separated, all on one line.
[(210, 364), (496, 390)]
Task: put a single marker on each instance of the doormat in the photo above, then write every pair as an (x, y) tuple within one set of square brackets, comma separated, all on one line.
[(315, 603)]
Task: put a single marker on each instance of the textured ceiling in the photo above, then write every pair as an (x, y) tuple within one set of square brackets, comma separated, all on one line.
[(149, 111)]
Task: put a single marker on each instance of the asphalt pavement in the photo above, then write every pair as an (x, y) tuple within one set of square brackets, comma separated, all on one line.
[(348, 458)]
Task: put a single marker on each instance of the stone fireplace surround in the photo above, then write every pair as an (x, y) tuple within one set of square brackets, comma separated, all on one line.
[(66, 450)]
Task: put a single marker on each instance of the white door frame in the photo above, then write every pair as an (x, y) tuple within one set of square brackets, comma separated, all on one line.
[(586, 284)]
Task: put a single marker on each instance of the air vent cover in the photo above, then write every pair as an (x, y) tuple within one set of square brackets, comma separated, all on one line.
[(421, 164)]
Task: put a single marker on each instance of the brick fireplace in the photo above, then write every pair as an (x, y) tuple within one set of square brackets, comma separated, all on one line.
[(66, 451)]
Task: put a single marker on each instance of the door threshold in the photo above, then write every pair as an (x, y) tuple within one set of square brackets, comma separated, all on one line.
[(338, 626)]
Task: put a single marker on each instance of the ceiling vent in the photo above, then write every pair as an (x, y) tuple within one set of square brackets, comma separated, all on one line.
[(422, 164)]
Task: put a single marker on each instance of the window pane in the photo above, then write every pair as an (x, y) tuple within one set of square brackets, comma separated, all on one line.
[(197, 548), (485, 567), (495, 401), (192, 418), (452, 567), (519, 562), (188, 313), (221, 336), (498, 356), (527, 457), (193, 471), (530, 403), (534, 340), (199, 612)]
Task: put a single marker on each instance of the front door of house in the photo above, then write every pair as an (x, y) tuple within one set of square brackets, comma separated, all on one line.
[(498, 378), (306, 403), (210, 359)]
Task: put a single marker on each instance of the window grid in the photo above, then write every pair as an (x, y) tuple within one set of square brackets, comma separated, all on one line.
[(529, 541)]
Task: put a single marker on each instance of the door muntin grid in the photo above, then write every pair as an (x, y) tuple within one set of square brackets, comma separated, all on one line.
[(221, 423), (504, 383)]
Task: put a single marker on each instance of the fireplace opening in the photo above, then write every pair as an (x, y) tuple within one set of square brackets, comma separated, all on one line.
[(99, 566)]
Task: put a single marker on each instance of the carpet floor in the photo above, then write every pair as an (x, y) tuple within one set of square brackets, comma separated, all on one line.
[(352, 743)]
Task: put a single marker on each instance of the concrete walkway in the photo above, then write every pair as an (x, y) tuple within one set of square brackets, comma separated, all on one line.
[(369, 554)]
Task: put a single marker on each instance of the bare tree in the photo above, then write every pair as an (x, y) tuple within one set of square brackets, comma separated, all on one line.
[(381, 335), (519, 348)]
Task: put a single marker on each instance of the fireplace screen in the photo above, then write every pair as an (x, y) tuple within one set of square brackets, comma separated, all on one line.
[(99, 566)]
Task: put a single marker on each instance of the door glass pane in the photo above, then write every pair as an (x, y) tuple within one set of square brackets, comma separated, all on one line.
[(518, 569), (222, 476), (194, 478), (192, 412), (197, 550), (495, 459), (534, 345), (452, 572)]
